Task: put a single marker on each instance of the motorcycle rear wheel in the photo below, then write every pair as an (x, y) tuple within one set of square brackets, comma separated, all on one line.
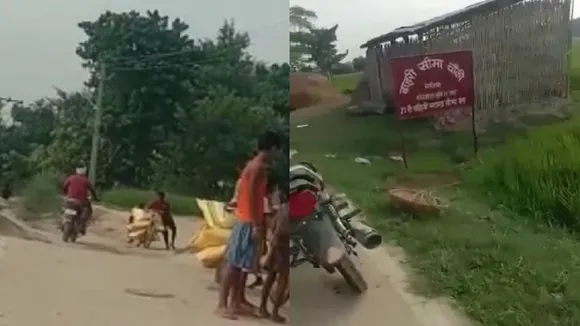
[(69, 232), (352, 275)]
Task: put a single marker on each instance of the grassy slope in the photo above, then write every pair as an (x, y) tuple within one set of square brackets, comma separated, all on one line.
[(346, 81), (497, 267)]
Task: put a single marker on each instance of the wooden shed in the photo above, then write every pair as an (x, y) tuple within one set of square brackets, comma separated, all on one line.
[(520, 50)]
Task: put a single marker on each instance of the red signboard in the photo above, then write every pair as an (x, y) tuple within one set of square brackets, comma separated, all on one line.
[(424, 85)]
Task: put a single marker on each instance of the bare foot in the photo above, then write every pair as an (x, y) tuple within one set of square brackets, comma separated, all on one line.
[(246, 308), (277, 318), (226, 313), (248, 305), (263, 313)]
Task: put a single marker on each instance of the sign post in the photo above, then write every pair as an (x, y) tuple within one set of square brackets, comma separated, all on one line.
[(426, 85)]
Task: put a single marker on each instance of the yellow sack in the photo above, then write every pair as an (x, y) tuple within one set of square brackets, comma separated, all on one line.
[(137, 234), (138, 225), (215, 214), (207, 237), (140, 215), (212, 257)]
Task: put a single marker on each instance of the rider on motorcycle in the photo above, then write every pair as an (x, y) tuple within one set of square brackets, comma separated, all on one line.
[(77, 189)]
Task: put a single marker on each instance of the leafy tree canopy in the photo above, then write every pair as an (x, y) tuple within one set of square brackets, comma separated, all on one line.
[(310, 44), (178, 113)]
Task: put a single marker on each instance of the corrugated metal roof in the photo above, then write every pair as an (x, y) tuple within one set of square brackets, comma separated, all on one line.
[(449, 18)]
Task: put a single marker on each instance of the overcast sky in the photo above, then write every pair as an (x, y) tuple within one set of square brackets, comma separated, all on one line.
[(362, 20), (38, 37)]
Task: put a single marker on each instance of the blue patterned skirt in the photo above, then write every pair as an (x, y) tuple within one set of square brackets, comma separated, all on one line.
[(241, 249)]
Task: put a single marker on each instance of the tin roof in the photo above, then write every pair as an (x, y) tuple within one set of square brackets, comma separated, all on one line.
[(449, 18)]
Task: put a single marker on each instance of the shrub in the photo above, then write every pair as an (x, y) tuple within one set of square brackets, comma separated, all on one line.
[(40, 195), (128, 198), (538, 175)]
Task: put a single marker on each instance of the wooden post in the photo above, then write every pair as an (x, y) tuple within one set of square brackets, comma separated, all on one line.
[(474, 131), (403, 146)]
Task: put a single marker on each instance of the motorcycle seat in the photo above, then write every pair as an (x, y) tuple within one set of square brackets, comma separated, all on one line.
[(72, 202)]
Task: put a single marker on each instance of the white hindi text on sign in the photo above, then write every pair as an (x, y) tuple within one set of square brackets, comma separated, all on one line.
[(456, 71), (427, 64), (435, 105), (408, 81), (436, 95)]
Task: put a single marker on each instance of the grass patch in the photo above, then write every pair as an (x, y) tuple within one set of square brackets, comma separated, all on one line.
[(39, 196), (346, 82), (128, 198), (538, 175), (499, 268), (502, 269)]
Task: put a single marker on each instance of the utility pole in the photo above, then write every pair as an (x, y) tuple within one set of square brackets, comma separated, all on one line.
[(97, 124)]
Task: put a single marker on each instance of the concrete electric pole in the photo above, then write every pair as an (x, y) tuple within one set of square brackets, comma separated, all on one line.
[(97, 125)]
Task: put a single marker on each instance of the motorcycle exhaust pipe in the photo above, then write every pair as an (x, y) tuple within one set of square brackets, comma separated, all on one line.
[(367, 236)]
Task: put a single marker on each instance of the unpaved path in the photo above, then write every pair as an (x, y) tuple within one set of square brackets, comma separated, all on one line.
[(100, 281), (388, 301)]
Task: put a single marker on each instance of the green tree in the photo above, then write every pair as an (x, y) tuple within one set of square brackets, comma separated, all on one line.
[(301, 22), (214, 132), (321, 49), (301, 18), (24, 138), (71, 137), (178, 112), (359, 63), (144, 84)]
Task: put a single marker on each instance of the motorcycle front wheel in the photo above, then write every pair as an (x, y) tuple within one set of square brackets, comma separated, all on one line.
[(352, 274)]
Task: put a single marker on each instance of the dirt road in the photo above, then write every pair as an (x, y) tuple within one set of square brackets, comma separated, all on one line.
[(100, 281)]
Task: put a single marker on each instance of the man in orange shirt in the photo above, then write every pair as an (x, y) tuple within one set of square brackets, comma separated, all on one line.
[(248, 234)]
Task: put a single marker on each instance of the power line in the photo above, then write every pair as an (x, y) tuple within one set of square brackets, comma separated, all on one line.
[(102, 74), (221, 54), (198, 63)]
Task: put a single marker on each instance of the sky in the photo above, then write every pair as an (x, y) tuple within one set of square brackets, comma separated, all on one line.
[(359, 21), (38, 38)]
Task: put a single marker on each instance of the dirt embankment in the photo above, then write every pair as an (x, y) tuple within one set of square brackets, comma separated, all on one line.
[(313, 95)]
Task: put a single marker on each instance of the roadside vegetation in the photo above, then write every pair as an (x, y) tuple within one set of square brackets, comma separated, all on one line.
[(179, 114), (127, 198), (506, 251), (346, 83)]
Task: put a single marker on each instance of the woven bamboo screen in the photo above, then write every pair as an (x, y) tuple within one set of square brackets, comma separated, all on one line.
[(520, 53)]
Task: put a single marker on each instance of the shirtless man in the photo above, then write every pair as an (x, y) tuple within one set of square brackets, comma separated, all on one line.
[(278, 266), (163, 208), (244, 247)]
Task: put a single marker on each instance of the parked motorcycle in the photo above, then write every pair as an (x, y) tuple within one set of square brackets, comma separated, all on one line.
[(70, 220), (324, 232)]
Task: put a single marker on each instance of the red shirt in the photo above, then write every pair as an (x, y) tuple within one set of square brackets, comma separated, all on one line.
[(160, 206), (77, 187)]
